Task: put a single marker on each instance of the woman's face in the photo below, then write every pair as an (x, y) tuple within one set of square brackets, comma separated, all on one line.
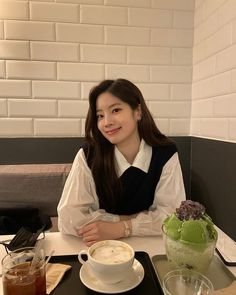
[(116, 120)]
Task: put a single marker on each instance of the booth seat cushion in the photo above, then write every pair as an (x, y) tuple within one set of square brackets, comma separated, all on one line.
[(33, 185)]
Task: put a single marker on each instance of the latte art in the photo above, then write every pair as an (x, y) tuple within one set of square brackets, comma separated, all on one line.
[(111, 254)]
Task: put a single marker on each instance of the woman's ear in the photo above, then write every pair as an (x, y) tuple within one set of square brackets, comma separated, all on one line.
[(139, 113)]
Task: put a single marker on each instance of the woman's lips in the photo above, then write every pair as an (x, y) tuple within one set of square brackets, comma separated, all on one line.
[(113, 131)]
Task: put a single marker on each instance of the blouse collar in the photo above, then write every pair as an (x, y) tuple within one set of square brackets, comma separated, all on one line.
[(141, 161)]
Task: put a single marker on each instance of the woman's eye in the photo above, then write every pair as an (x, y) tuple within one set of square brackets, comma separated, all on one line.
[(116, 110), (99, 116)]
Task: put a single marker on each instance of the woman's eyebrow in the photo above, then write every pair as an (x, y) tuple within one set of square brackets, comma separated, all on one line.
[(111, 106)]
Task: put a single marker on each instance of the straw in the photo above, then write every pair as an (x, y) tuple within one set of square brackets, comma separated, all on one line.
[(36, 254), (49, 257)]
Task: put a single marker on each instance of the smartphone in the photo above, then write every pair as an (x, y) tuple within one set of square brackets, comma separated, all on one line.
[(226, 249), (225, 258)]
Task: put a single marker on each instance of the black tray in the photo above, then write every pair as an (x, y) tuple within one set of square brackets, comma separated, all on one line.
[(71, 283), (220, 276)]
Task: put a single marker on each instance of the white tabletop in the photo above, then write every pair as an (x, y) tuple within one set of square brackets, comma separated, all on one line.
[(68, 245)]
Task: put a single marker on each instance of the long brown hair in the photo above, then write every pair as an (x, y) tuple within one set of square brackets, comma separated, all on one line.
[(103, 164)]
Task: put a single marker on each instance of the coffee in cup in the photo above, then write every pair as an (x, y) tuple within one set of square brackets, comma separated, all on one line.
[(109, 260)]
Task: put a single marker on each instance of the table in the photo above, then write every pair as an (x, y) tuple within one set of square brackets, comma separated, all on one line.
[(68, 245)]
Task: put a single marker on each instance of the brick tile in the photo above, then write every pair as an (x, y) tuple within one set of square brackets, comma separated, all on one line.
[(32, 108), (70, 109), (128, 3), (80, 72), (103, 15), (29, 30), (171, 74), (130, 72), (15, 127), (55, 51), (54, 12), (14, 9), (57, 127), (30, 70), (149, 55), (56, 89), (103, 53), (150, 17), (14, 49), (126, 35), (172, 37), (79, 33), (3, 107), (15, 88)]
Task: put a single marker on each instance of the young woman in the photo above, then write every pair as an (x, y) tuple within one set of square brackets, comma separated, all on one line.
[(127, 178)]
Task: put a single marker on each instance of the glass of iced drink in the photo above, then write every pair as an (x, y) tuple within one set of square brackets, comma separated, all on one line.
[(23, 272)]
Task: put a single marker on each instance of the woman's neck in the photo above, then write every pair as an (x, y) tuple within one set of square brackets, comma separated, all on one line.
[(129, 151)]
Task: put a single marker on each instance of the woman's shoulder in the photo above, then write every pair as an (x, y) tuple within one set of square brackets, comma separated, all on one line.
[(80, 161), (167, 150), (88, 151)]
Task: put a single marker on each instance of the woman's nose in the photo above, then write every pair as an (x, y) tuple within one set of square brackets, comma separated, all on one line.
[(107, 120)]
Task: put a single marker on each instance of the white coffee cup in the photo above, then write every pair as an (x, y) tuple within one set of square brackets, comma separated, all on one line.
[(109, 260)]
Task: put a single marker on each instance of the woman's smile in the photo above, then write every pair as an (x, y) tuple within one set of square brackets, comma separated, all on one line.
[(112, 131)]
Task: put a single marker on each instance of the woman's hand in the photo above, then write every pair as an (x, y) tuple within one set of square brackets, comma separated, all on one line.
[(101, 230)]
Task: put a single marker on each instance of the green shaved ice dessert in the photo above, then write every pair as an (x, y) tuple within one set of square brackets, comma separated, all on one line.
[(190, 237)]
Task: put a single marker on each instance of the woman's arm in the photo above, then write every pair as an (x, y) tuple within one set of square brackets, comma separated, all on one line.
[(169, 193), (79, 202)]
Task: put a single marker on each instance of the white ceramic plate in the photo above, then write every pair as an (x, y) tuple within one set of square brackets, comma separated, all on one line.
[(133, 279)]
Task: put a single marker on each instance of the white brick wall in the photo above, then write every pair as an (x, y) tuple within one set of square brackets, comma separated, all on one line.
[(31, 108), (103, 15), (79, 33), (73, 109), (1, 29), (150, 17), (2, 69), (103, 54), (55, 89), (54, 12), (14, 49), (14, 10), (29, 30), (214, 70), (56, 127), (3, 107), (15, 88), (149, 55), (56, 51), (16, 127), (30, 70), (127, 35), (53, 51)]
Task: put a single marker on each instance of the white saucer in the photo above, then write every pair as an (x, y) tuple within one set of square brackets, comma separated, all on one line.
[(133, 279)]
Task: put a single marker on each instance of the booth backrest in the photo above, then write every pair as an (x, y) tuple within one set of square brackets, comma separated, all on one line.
[(33, 171)]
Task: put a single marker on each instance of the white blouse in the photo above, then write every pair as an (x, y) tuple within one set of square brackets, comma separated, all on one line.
[(79, 202)]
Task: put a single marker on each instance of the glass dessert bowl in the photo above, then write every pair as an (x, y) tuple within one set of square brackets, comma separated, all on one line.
[(190, 237), (186, 282)]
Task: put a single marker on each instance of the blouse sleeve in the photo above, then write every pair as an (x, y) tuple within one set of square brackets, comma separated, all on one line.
[(169, 193), (79, 202)]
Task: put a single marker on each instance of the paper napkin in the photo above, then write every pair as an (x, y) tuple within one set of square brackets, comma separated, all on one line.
[(54, 274)]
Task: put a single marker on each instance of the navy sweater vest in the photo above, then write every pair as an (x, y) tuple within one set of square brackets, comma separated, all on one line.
[(138, 187)]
